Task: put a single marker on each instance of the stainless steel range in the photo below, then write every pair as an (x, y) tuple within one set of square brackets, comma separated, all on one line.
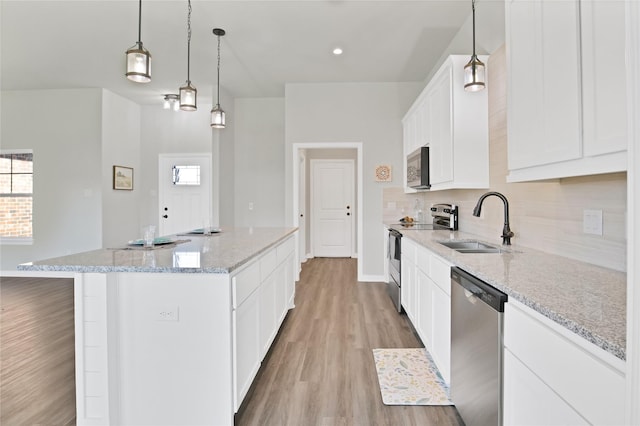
[(443, 216)]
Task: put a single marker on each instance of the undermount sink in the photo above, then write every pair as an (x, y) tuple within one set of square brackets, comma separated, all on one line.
[(471, 247)]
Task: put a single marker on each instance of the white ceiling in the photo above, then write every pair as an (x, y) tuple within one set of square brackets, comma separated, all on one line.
[(81, 43)]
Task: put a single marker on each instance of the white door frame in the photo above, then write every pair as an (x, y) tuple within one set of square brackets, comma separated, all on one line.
[(359, 186)]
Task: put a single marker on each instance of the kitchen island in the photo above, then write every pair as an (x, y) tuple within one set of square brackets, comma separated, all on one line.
[(175, 334)]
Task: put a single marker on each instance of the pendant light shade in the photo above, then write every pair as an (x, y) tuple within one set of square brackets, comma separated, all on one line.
[(217, 113), (188, 93), (474, 75), (188, 97), (217, 117), (139, 58)]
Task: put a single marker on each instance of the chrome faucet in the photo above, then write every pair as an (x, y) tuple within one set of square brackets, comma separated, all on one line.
[(506, 230)]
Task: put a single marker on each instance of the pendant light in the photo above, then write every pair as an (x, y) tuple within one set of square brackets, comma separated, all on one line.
[(217, 114), (474, 70), (139, 58), (188, 93)]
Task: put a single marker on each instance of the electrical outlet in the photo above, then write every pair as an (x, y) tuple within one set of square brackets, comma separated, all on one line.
[(167, 313), (592, 222)]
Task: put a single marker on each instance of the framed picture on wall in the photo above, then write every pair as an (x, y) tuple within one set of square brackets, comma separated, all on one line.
[(123, 178)]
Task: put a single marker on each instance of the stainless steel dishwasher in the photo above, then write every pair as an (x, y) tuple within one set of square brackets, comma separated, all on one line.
[(477, 311)]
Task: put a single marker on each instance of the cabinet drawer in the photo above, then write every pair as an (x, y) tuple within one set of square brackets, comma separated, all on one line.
[(441, 273), (244, 283), (268, 264), (589, 379), (285, 249)]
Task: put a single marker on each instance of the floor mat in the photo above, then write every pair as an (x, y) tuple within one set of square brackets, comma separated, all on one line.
[(409, 377)]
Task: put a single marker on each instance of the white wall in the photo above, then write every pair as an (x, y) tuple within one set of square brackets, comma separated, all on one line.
[(120, 146), (259, 162), (369, 113), (63, 127), (224, 164)]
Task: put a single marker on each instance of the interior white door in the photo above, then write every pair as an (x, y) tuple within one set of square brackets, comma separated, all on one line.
[(184, 192), (332, 208)]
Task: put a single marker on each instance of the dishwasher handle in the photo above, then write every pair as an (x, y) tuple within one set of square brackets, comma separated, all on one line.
[(483, 291)]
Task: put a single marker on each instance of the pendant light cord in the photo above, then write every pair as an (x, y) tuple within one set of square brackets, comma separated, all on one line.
[(473, 12), (188, 43), (140, 23), (218, 102)]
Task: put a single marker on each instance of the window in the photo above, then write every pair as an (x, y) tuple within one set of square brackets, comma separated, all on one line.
[(16, 196), (186, 175)]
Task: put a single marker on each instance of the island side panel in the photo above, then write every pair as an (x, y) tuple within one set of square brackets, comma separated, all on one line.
[(175, 349), (167, 349)]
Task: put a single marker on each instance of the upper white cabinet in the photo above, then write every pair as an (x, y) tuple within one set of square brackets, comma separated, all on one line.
[(455, 126), (566, 88)]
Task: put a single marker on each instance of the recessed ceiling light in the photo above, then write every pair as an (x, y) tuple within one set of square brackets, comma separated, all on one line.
[(337, 51)]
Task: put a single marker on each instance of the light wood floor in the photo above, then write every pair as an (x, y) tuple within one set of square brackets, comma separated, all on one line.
[(320, 370), (37, 377)]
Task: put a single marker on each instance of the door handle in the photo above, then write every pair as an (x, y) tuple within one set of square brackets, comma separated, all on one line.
[(348, 207), (348, 214), (165, 216)]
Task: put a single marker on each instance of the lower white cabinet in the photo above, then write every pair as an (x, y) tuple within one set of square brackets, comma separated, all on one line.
[(257, 316), (552, 376), (426, 297), (246, 348), (530, 401)]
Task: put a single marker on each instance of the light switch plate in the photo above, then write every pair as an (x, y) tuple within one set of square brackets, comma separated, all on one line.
[(592, 222)]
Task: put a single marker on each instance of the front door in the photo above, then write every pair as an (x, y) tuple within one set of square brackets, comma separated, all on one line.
[(332, 207), (184, 192)]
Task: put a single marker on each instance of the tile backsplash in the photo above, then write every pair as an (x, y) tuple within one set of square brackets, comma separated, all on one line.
[(546, 216)]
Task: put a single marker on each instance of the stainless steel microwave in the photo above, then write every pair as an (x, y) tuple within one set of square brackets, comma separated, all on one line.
[(418, 169)]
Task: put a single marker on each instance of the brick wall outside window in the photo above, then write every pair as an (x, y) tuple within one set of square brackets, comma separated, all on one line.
[(16, 199), (16, 216)]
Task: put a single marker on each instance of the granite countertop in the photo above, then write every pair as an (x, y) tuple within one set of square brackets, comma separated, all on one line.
[(218, 253), (586, 299)]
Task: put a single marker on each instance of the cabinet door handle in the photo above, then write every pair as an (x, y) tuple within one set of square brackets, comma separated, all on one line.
[(165, 216), (348, 214)]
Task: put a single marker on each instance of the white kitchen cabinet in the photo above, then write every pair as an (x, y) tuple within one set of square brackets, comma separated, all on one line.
[(268, 314), (526, 394), (263, 293), (408, 295), (428, 300), (246, 348), (603, 78), (424, 323), (553, 376), (566, 88), (454, 124), (439, 127)]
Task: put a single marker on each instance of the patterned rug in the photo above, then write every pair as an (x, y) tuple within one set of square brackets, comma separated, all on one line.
[(410, 377)]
